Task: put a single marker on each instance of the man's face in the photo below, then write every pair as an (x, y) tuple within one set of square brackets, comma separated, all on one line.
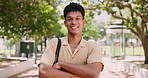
[(74, 22)]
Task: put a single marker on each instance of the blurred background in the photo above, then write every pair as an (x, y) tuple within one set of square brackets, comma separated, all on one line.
[(119, 26)]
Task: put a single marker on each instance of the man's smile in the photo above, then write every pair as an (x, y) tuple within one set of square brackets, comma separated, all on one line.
[(74, 27)]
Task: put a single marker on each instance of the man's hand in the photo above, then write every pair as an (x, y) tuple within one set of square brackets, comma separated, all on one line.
[(47, 71), (44, 69), (57, 65)]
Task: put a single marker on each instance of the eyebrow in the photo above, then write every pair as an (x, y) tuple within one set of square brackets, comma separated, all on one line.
[(71, 17)]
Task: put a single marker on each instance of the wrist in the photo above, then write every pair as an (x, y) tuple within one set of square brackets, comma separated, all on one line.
[(62, 64)]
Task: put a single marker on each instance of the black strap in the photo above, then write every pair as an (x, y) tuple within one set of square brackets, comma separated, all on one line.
[(57, 51)]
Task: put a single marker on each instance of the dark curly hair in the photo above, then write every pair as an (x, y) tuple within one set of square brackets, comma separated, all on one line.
[(74, 7)]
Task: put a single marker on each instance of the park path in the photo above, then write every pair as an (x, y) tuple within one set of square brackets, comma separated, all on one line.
[(110, 70)]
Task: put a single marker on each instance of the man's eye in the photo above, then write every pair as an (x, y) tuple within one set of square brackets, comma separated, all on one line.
[(78, 18), (69, 19)]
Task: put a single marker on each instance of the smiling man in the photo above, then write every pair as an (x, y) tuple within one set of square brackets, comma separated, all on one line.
[(78, 58)]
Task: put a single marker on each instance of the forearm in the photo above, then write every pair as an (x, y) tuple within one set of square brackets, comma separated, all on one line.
[(85, 71), (50, 72), (57, 74), (79, 70)]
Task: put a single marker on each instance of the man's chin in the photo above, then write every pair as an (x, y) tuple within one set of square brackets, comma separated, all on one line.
[(74, 32)]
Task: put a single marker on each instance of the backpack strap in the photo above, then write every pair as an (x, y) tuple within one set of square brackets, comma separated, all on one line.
[(57, 51)]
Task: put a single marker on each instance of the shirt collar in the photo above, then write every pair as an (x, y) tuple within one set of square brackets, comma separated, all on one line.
[(82, 43)]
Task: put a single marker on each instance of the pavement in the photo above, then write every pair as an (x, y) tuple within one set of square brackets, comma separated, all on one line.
[(111, 70)]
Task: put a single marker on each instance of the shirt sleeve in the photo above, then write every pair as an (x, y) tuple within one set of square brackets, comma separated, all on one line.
[(95, 54), (48, 56)]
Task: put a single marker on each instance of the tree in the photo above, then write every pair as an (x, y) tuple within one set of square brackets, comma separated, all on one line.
[(31, 18), (90, 30), (135, 17), (101, 26), (9, 44)]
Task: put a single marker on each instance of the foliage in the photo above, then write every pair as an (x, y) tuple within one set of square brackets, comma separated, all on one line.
[(1, 59), (31, 18), (101, 26), (134, 15), (9, 44), (90, 30), (132, 12)]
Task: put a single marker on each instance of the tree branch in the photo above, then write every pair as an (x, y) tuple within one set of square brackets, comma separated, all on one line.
[(94, 8), (135, 24), (118, 17), (132, 30), (132, 10)]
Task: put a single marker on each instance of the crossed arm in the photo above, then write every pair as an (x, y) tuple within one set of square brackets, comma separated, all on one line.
[(47, 71), (74, 71)]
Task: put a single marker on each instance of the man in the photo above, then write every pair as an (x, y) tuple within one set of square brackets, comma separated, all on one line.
[(80, 58)]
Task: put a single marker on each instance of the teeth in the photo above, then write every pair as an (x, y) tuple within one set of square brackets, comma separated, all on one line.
[(73, 27)]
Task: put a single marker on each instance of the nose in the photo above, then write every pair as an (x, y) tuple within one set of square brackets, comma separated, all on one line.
[(73, 21)]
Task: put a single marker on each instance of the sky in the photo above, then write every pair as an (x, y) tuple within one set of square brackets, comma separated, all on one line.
[(103, 17)]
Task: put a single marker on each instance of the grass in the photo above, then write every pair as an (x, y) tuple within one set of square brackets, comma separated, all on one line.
[(108, 50), (7, 51), (1, 60)]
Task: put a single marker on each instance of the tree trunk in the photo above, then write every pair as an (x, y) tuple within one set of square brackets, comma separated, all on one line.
[(145, 47), (45, 39), (41, 46)]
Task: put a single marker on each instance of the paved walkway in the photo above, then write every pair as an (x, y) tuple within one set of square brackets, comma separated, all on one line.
[(110, 70)]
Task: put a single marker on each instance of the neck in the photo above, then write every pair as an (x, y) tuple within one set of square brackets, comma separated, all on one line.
[(74, 39)]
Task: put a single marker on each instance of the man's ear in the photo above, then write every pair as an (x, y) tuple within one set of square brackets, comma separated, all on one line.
[(84, 22), (65, 23)]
